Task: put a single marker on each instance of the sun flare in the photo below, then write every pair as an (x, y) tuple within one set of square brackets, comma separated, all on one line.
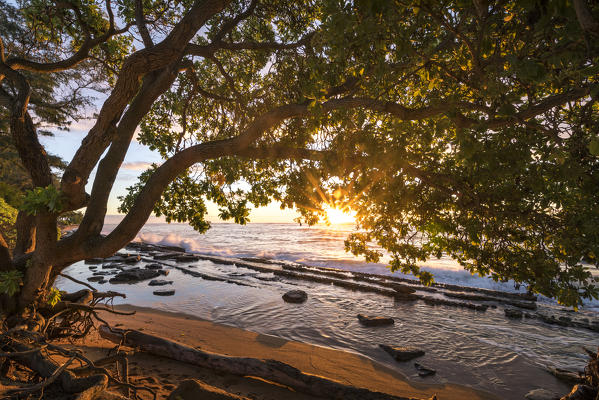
[(337, 216)]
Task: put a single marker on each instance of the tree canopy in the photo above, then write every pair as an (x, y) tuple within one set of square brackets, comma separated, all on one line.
[(467, 128)]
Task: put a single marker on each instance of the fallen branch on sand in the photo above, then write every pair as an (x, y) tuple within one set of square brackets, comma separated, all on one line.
[(271, 370)]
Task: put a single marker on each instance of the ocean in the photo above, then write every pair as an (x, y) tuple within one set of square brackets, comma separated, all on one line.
[(484, 350)]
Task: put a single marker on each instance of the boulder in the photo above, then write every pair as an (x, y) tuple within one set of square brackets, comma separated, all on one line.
[(367, 320), (541, 394), (191, 389), (133, 276), (513, 313), (159, 282), (402, 353), (164, 292), (295, 296), (424, 371)]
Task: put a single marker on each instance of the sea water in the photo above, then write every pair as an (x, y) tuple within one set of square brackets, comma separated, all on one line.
[(486, 350)]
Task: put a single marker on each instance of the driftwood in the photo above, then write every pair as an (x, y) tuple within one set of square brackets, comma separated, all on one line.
[(271, 370)]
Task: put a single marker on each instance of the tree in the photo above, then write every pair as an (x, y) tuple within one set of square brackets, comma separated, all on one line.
[(458, 127)]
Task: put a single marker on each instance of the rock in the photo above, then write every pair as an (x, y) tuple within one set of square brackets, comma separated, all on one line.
[(159, 282), (103, 273), (402, 353), (367, 320), (166, 256), (93, 261), (164, 292), (93, 267), (154, 266), (541, 394), (163, 272), (96, 278), (113, 266), (191, 389), (186, 258), (569, 377), (133, 276), (171, 248), (581, 392), (513, 313), (131, 259), (424, 371), (295, 296), (403, 289)]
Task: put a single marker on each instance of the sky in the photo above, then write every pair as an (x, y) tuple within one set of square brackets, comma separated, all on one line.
[(138, 159)]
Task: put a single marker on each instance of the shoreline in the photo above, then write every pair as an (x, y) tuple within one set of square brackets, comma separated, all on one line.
[(345, 367)]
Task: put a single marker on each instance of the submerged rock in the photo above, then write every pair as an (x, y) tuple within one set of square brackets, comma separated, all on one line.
[(295, 296), (96, 278), (133, 276), (541, 394), (159, 282), (186, 258), (424, 371), (402, 353), (513, 313), (564, 375), (367, 320), (164, 292)]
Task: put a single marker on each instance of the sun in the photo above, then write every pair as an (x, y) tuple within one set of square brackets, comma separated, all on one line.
[(336, 216)]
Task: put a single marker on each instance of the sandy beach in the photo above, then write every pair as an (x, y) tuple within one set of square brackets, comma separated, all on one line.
[(164, 375)]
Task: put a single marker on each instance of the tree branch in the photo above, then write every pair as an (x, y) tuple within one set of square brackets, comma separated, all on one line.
[(141, 24), (128, 83)]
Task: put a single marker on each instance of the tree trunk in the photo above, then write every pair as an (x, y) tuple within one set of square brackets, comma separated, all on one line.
[(5, 258), (25, 234), (37, 273)]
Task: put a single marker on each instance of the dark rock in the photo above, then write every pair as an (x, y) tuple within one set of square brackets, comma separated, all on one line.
[(112, 266), (513, 313), (95, 278), (406, 296), (581, 392), (186, 258), (403, 289), (103, 273), (93, 261), (164, 292), (192, 389), (135, 275), (424, 371), (159, 282), (295, 296), (93, 267), (438, 301), (163, 272), (171, 248), (541, 394), (402, 353), (166, 256), (154, 266), (131, 259), (367, 320)]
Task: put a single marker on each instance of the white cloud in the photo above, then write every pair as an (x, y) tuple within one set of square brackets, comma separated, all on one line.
[(136, 165)]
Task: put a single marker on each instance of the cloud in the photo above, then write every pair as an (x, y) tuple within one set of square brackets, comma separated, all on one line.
[(136, 165)]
